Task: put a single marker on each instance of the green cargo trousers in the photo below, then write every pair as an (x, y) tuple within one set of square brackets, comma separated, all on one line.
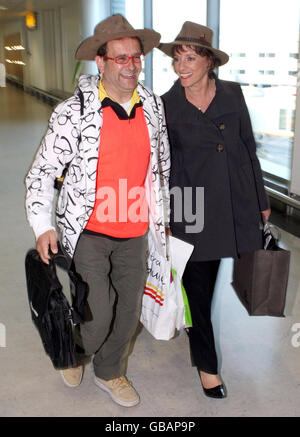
[(115, 271)]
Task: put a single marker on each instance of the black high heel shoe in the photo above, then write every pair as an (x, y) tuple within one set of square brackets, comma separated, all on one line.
[(218, 392)]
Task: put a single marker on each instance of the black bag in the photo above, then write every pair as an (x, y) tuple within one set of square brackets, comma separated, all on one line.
[(50, 311), (260, 278)]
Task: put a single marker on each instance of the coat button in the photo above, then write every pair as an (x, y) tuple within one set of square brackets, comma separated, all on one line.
[(220, 148), (222, 126)]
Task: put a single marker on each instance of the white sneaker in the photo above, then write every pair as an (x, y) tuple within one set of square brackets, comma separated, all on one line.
[(72, 376), (120, 390)]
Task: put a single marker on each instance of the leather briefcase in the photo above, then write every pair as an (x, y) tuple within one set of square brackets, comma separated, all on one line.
[(50, 310)]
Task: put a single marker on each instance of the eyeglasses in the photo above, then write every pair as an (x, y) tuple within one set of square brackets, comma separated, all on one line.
[(137, 59)]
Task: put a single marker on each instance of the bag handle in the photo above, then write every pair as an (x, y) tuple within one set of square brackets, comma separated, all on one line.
[(78, 299), (270, 241)]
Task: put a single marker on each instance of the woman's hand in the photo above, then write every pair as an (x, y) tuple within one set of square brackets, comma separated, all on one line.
[(265, 214)]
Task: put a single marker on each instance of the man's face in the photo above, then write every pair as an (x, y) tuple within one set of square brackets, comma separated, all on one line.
[(120, 80)]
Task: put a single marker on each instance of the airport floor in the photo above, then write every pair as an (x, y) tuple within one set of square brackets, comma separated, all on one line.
[(259, 356)]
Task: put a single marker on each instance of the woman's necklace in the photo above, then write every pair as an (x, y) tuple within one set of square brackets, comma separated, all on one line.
[(203, 103)]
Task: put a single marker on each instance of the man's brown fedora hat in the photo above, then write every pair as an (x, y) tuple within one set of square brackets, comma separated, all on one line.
[(195, 35), (115, 27)]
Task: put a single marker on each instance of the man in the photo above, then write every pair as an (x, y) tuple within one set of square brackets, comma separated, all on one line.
[(111, 140)]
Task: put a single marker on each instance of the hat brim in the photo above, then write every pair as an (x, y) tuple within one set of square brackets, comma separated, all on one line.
[(87, 50), (167, 48)]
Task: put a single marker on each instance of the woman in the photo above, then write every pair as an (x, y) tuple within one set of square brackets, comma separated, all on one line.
[(212, 146)]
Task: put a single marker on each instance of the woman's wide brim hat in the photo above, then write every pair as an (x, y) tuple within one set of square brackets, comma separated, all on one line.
[(194, 34), (115, 27)]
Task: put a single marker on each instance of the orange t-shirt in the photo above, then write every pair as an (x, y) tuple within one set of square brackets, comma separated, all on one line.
[(120, 208)]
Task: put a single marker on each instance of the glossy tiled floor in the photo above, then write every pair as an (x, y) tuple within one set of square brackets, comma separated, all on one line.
[(259, 363)]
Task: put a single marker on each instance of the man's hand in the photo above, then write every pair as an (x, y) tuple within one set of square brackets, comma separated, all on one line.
[(265, 214), (46, 240)]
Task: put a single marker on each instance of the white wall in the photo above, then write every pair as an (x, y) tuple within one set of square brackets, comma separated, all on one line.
[(1, 45), (35, 57), (67, 33), (8, 29), (70, 19), (67, 37)]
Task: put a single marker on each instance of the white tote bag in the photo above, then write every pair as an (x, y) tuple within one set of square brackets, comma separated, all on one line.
[(159, 304), (163, 306)]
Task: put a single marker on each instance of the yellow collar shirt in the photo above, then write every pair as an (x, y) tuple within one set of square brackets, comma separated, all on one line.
[(135, 98)]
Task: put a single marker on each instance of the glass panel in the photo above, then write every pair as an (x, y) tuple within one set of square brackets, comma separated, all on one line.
[(266, 33), (168, 18)]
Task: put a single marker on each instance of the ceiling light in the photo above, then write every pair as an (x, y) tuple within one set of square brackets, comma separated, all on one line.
[(31, 22), (18, 47), (11, 61)]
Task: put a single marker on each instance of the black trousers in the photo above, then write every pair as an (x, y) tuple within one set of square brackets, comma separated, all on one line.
[(199, 280)]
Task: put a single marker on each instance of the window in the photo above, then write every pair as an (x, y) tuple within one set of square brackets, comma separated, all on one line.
[(268, 55), (118, 7), (282, 119), (271, 70), (293, 118), (287, 120), (237, 71), (168, 18), (134, 12)]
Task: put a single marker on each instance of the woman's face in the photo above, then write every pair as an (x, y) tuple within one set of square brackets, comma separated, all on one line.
[(190, 67)]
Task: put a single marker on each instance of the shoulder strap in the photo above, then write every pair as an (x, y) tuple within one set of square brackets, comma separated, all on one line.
[(81, 98), (154, 97)]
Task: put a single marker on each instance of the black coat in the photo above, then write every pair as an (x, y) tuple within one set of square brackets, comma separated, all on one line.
[(215, 150)]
